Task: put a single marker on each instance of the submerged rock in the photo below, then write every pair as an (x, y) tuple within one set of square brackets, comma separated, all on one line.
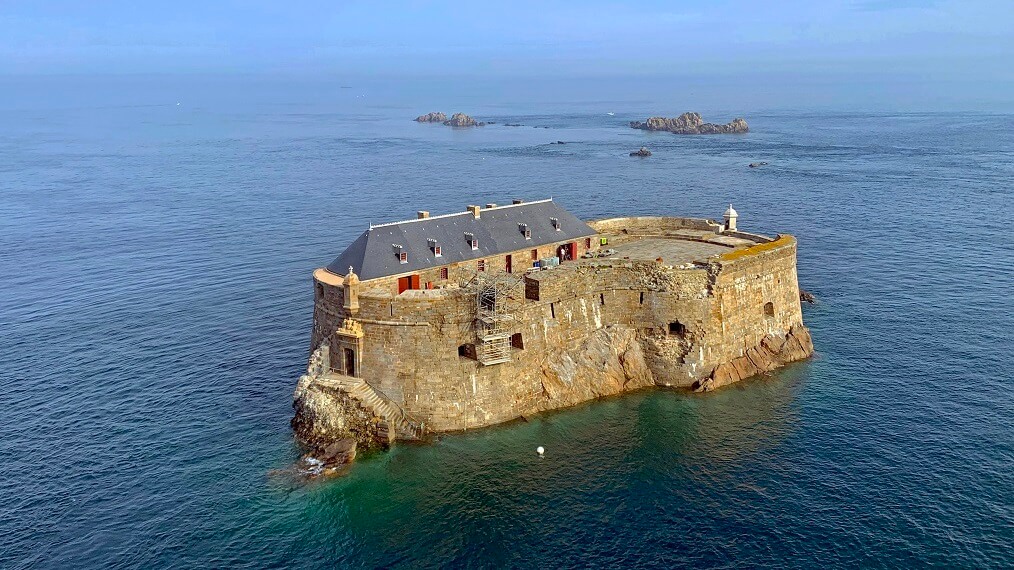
[(431, 118), (643, 151), (462, 120), (757, 164), (807, 297), (690, 124)]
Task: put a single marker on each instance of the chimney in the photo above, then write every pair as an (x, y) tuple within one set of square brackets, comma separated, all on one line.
[(474, 210), (488, 206), (422, 214), (516, 201)]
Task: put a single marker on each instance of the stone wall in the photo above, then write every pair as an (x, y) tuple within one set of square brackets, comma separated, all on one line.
[(588, 330)]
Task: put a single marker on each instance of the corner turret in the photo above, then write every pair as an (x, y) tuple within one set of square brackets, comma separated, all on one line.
[(351, 289), (730, 216)]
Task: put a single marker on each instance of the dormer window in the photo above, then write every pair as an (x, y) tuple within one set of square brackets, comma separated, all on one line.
[(472, 241), (434, 247), (523, 228), (556, 223), (401, 253)]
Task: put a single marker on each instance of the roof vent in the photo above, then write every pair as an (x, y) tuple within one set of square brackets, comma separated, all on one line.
[(422, 215), (556, 223)]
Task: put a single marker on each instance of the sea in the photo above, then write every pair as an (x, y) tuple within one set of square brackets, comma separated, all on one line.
[(156, 250)]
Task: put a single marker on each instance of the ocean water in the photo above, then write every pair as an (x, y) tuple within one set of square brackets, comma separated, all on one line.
[(155, 312)]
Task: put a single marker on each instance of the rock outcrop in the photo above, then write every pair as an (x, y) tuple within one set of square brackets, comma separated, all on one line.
[(431, 118), (690, 124), (774, 351), (643, 151), (609, 362), (462, 120), (325, 413)]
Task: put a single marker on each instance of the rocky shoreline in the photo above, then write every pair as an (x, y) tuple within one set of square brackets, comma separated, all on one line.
[(690, 124)]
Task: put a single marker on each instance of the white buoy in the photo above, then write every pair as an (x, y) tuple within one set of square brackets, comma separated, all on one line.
[(540, 450)]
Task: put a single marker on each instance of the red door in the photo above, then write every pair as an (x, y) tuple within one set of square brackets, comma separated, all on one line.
[(403, 284), (508, 264), (413, 282), (572, 249)]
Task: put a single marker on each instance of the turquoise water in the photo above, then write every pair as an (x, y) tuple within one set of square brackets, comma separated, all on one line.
[(156, 306)]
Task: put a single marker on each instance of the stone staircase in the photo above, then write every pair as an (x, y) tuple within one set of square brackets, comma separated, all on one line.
[(404, 426)]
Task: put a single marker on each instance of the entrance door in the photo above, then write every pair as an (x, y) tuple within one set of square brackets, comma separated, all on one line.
[(350, 361), (406, 283), (573, 249), (509, 264)]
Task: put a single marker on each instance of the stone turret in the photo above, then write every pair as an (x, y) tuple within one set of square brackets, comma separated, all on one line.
[(730, 219), (351, 288)]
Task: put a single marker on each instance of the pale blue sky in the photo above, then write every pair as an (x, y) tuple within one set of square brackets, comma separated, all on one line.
[(966, 44)]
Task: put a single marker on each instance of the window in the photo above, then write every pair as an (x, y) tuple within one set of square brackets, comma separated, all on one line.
[(769, 309), (523, 227), (535, 255), (517, 342), (552, 310), (677, 328), (475, 244), (642, 298), (556, 223), (481, 264), (443, 273), (470, 238), (602, 299), (587, 243), (528, 234), (436, 251), (403, 257), (467, 351)]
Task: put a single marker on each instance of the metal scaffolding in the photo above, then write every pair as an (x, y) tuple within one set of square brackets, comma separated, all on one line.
[(496, 301)]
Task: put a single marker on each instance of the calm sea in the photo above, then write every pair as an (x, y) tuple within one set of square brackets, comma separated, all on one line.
[(155, 305)]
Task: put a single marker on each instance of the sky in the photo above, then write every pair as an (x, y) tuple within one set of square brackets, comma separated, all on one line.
[(964, 49)]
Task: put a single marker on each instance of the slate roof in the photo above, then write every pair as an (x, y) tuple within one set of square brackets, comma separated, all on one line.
[(373, 255)]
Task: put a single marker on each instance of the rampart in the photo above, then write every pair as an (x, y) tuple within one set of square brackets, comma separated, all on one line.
[(586, 329)]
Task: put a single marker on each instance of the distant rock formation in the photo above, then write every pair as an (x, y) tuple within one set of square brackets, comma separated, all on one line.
[(757, 164), (690, 124), (431, 118), (643, 151), (462, 120), (807, 297)]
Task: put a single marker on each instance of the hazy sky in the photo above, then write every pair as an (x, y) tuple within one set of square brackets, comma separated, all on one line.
[(966, 44)]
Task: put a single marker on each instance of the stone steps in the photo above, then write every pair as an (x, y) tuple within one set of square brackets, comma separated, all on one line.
[(362, 391)]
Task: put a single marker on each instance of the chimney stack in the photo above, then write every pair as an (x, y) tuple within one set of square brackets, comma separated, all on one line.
[(516, 201), (422, 214), (474, 211), (488, 206)]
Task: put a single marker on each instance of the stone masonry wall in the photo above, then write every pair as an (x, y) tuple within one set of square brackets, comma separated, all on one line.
[(595, 329)]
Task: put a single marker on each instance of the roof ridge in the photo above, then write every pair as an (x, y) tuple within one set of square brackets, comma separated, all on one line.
[(451, 215)]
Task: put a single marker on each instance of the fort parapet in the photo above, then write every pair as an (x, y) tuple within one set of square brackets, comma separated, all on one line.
[(510, 331)]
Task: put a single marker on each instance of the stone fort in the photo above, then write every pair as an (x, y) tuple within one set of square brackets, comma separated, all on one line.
[(464, 320)]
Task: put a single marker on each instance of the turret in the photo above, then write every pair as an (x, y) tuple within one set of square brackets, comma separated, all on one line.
[(730, 219), (351, 288)]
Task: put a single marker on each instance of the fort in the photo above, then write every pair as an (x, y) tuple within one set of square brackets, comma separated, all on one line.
[(470, 319)]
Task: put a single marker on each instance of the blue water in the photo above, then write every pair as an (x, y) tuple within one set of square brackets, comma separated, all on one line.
[(155, 313)]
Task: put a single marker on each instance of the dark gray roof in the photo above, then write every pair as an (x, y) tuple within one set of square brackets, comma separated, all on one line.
[(373, 255)]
